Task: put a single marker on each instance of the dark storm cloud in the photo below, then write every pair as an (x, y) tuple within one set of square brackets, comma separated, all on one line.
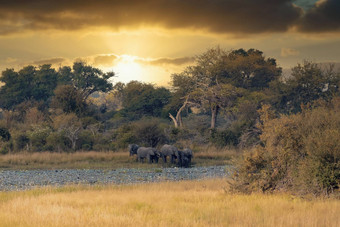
[(218, 16), (324, 17), (168, 61)]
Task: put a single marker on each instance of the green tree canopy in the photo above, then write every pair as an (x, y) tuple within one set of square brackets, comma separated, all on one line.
[(307, 83), (249, 69), (29, 84), (218, 77), (142, 99), (86, 79)]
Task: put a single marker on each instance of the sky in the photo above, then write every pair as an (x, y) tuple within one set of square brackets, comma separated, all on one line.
[(148, 40)]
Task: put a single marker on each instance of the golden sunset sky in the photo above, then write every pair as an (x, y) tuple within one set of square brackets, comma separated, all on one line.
[(148, 40)]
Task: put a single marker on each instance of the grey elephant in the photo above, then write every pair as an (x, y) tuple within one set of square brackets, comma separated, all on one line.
[(149, 153), (168, 150), (133, 149), (184, 157)]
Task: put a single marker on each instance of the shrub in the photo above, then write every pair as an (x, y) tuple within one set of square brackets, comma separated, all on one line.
[(38, 137), (224, 138), (56, 141), (6, 147), (301, 153), (4, 134), (21, 142), (146, 132)]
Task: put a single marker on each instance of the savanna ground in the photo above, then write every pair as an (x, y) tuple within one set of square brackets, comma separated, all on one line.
[(103, 160), (187, 203)]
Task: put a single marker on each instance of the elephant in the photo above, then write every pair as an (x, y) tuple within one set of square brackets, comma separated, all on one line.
[(151, 154), (184, 157), (168, 150), (133, 149)]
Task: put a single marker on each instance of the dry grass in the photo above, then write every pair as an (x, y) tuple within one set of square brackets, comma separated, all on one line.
[(202, 203), (99, 160)]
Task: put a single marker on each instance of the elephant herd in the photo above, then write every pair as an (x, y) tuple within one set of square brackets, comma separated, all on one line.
[(152, 155)]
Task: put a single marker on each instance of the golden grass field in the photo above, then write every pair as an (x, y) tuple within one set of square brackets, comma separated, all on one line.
[(101, 160), (191, 203)]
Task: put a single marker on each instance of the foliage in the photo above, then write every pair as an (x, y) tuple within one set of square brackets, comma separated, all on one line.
[(219, 78), (224, 138), (29, 83), (37, 137), (86, 79), (249, 69), (21, 142), (301, 153), (4, 134), (308, 82), (141, 99), (69, 100), (145, 132)]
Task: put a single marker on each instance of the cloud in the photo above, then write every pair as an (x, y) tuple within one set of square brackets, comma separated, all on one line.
[(10, 60), (52, 61), (217, 16), (324, 17), (167, 61), (104, 60), (287, 52)]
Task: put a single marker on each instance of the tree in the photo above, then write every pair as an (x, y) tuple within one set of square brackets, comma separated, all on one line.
[(70, 126), (206, 84), (29, 84), (86, 79), (307, 83), (182, 85), (142, 99), (249, 69), (69, 99)]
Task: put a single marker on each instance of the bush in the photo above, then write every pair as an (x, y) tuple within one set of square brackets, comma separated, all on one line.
[(301, 153), (56, 141), (5, 147), (224, 138), (149, 132), (4, 134), (21, 142), (146, 132), (38, 137)]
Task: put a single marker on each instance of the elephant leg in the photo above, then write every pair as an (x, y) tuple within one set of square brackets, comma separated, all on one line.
[(164, 158), (148, 157)]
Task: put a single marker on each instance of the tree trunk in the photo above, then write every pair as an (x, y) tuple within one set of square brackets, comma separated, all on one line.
[(214, 111), (174, 120), (74, 142), (178, 120)]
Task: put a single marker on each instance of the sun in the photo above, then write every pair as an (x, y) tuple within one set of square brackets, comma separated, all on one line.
[(128, 69)]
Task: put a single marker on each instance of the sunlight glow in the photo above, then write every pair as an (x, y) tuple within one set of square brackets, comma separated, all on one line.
[(127, 69)]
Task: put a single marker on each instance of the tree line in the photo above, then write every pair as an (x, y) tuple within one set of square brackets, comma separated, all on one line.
[(217, 100)]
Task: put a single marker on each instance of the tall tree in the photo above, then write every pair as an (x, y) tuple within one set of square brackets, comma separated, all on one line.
[(142, 99), (307, 83), (86, 79), (249, 69), (218, 77), (29, 84)]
